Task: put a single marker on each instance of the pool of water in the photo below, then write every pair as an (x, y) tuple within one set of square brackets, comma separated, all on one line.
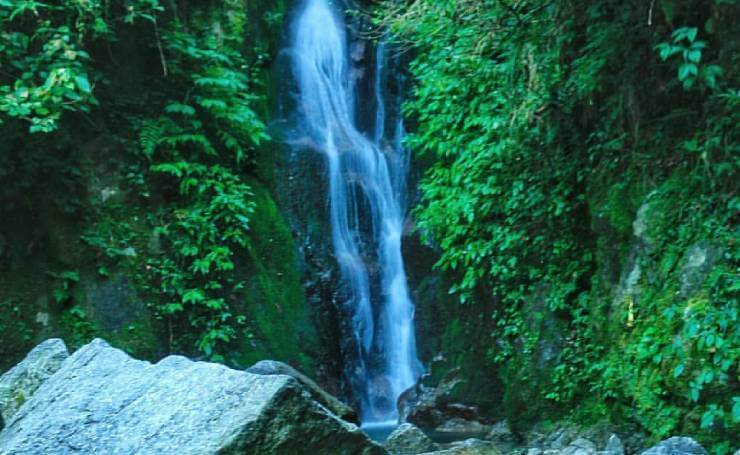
[(379, 431)]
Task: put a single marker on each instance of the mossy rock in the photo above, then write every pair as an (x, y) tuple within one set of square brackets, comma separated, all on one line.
[(280, 321)]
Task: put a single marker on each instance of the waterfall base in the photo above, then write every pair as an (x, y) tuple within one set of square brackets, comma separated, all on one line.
[(379, 431)]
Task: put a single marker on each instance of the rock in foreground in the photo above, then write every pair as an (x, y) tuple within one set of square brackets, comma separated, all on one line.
[(103, 401), (332, 403), (409, 439), (20, 382)]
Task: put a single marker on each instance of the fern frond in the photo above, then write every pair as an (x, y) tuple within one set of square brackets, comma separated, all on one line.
[(180, 108), (150, 137), (193, 139)]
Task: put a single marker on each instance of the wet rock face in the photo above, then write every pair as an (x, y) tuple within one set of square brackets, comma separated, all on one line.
[(551, 329), (628, 285), (696, 264), (19, 383), (103, 401), (462, 427), (302, 197), (113, 303), (641, 225)]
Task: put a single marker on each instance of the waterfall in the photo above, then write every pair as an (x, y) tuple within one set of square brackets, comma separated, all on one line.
[(366, 186)]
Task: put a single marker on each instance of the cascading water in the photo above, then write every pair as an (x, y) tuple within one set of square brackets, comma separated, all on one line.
[(366, 185)]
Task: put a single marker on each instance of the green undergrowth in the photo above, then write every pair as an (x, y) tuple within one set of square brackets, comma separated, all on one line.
[(582, 193), (133, 135)]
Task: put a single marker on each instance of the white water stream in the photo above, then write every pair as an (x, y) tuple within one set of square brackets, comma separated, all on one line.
[(366, 185)]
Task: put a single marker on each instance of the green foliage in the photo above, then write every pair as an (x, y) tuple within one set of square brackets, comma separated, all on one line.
[(545, 126), (682, 347), (80, 330), (74, 320), (46, 67), (200, 141), (65, 280), (685, 43), (216, 112), (195, 278), (111, 236), (148, 110)]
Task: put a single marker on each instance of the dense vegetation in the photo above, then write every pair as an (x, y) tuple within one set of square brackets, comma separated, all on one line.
[(132, 127), (579, 185), (552, 128)]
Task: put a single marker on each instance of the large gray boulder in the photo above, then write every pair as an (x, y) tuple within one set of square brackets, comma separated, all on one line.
[(676, 445), (409, 439), (103, 401), (20, 382), (271, 367)]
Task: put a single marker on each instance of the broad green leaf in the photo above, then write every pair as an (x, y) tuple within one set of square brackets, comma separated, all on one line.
[(82, 83)]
